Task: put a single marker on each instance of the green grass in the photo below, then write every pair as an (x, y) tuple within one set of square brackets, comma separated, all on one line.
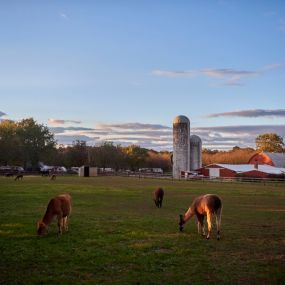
[(117, 236)]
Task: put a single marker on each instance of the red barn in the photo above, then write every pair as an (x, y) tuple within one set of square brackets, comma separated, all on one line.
[(269, 158), (233, 170), (216, 170)]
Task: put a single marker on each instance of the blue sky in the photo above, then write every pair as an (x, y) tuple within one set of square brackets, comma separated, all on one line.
[(122, 70)]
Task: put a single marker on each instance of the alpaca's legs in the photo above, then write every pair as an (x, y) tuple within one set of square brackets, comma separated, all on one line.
[(218, 221), (209, 221), (60, 223), (65, 223), (201, 229)]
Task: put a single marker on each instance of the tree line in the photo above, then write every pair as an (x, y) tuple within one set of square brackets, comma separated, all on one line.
[(26, 143), (108, 155)]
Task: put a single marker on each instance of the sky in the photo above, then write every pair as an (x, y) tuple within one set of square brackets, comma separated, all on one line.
[(123, 70)]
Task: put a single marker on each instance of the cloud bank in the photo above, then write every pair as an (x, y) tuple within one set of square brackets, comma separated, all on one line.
[(159, 137), (251, 113), (229, 76), (226, 137), (146, 135)]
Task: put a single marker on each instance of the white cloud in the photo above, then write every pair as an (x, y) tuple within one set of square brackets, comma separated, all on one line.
[(133, 126), (272, 66), (64, 16), (230, 76), (52, 121), (2, 114), (174, 73), (282, 24)]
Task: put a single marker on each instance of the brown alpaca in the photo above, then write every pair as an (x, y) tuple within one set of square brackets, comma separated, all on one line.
[(205, 205), (18, 177), (158, 197), (53, 177), (59, 207)]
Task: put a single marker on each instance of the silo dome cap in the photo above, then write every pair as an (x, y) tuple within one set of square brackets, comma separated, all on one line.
[(195, 139), (181, 119)]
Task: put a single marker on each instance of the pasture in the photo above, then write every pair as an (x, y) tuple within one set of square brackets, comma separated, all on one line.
[(117, 235)]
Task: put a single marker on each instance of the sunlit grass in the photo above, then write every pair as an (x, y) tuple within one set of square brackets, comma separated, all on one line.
[(117, 236)]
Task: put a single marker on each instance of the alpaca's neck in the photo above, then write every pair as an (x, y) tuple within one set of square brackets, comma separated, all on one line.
[(47, 219), (189, 214)]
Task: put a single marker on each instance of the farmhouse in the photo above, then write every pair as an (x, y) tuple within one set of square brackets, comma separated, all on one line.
[(235, 170), (270, 158)]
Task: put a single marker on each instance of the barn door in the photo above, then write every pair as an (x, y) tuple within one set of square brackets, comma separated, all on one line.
[(214, 172)]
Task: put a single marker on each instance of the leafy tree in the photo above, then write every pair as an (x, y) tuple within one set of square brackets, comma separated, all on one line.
[(156, 159), (35, 141), (136, 156), (57, 157), (270, 142), (76, 155), (108, 155), (9, 144)]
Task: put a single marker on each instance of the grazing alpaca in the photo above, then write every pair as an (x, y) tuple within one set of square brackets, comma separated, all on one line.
[(205, 205), (53, 177), (59, 207), (18, 177), (158, 197)]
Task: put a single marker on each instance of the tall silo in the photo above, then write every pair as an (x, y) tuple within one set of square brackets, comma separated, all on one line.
[(181, 145), (195, 152)]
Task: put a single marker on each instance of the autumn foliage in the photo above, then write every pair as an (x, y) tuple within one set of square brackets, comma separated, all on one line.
[(235, 156)]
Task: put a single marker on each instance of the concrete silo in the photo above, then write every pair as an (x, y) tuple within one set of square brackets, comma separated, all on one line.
[(181, 145), (195, 152)]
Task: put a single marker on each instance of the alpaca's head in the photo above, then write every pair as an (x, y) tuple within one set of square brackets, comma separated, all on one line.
[(181, 223), (42, 228), (156, 202)]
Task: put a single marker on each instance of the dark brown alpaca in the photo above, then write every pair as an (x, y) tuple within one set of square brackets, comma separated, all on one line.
[(205, 205), (158, 197), (59, 207), (18, 177)]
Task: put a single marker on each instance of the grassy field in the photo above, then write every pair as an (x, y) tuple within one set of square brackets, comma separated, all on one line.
[(117, 236)]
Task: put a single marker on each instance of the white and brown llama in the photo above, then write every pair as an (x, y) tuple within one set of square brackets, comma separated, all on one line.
[(59, 207), (208, 205)]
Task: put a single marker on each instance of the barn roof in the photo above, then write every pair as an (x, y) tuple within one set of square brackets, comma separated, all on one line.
[(278, 159), (240, 168)]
